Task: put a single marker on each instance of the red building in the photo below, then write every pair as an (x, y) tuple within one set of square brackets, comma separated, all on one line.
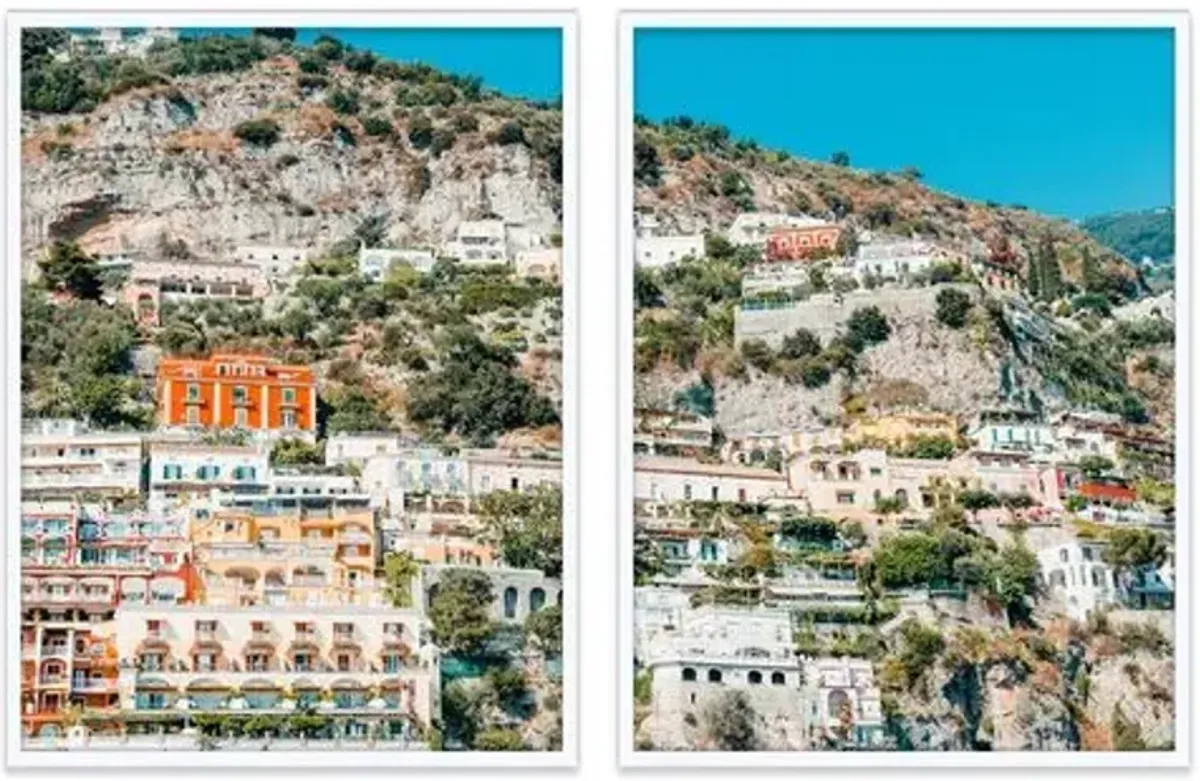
[(227, 391), (797, 242)]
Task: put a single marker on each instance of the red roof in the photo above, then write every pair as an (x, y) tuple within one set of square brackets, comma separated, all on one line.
[(1112, 493)]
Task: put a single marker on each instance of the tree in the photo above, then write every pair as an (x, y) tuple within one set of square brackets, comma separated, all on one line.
[(460, 612), (840, 158), (67, 268), (1095, 467), (475, 393), (1013, 579), (343, 101), (758, 354), (809, 530), (647, 294), (975, 500), (920, 647), (258, 132), (377, 126), (1133, 549), (294, 452), (867, 326), (278, 33), (647, 169), (399, 570), (420, 132), (545, 629), (647, 560), (354, 411), (908, 559), (952, 307), (889, 505), (731, 723), (526, 527), (800, 344)]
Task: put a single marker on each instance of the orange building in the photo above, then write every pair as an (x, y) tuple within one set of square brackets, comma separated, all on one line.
[(796, 242), (226, 391)]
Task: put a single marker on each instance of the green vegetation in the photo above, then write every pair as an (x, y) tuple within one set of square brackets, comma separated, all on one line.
[(1136, 234), (731, 723), (399, 570), (1133, 549), (258, 132), (296, 452), (526, 527), (460, 612), (952, 307)]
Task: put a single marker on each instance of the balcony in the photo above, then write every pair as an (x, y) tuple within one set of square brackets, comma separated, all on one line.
[(56, 649), (94, 685), (52, 680)]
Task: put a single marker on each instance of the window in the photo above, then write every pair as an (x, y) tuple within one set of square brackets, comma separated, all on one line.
[(289, 419), (1088, 554), (193, 393), (687, 492), (510, 602), (239, 394), (875, 471), (343, 663), (716, 493), (204, 663), (1063, 555), (755, 677), (778, 679), (303, 663), (689, 674), (845, 497), (714, 675), (515, 484), (152, 662), (392, 663), (289, 395), (742, 495)]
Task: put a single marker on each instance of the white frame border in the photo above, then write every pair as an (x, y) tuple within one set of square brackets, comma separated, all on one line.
[(1180, 22), (565, 20)]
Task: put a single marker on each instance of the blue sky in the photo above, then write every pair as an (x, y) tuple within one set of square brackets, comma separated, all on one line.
[(1071, 122), (520, 62)]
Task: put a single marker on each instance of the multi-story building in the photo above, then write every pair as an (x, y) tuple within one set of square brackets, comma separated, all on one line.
[(479, 242), (275, 263), (374, 263), (1076, 575), (661, 430), (304, 489), (753, 228), (800, 238), (844, 704), (63, 459), (666, 479), (355, 448), (189, 475), (247, 392), (305, 558), (782, 277), (151, 282), (78, 563), (659, 251), (1001, 430), (512, 470), (364, 667)]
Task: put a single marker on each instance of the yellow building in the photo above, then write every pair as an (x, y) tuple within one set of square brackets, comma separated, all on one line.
[(901, 427), (325, 558)]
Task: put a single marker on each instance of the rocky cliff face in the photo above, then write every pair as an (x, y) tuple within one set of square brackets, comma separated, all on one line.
[(164, 161)]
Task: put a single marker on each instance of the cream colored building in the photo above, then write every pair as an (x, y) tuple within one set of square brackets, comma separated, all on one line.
[(64, 459), (665, 479), (356, 663), (280, 560), (902, 427)]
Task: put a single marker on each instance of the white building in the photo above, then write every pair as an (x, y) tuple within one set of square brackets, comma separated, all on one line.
[(752, 228), (656, 429), (844, 704), (374, 263), (1076, 575), (659, 251), (64, 459), (896, 258), (182, 471), (293, 489), (665, 479), (783, 277), (274, 262), (544, 264), (346, 448), (479, 242), (646, 224), (998, 431)]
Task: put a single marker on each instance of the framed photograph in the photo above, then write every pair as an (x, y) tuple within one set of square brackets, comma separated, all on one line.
[(905, 379), (292, 429)]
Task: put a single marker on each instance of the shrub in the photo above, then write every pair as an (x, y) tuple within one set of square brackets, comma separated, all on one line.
[(952, 307), (259, 132), (343, 101), (377, 126), (758, 354), (311, 65), (442, 140), (867, 326), (510, 132), (465, 122), (420, 132)]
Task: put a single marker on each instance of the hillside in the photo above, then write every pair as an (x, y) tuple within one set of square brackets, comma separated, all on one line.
[(1050, 342), (695, 177), (1136, 235), (204, 145)]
